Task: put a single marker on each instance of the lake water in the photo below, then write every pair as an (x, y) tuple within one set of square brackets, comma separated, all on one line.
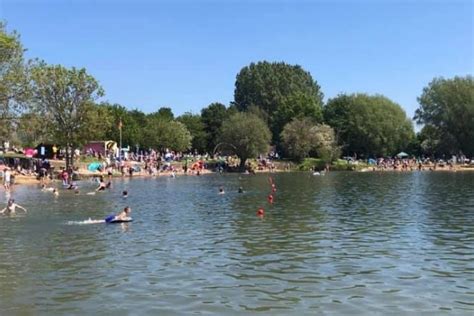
[(344, 243)]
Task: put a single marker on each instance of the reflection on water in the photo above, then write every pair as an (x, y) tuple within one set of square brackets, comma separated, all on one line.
[(343, 243)]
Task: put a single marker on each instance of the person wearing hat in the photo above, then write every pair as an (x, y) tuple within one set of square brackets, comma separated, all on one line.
[(11, 208)]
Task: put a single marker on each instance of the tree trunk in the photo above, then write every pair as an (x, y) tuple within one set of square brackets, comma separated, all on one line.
[(242, 164), (67, 156), (72, 159)]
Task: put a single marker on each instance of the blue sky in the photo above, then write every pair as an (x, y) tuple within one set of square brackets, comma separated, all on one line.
[(186, 54)]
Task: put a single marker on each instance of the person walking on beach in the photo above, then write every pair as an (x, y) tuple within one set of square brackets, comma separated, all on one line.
[(11, 208)]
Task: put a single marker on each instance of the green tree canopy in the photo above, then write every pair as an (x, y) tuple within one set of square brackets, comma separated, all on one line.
[(369, 125), (246, 135), (133, 124), (282, 91), (163, 113), (65, 99), (162, 134), (301, 137), (194, 124), (212, 116), (14, 92), (447, 111)]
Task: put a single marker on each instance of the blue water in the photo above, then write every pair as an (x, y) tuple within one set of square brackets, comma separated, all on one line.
[(344, 243)]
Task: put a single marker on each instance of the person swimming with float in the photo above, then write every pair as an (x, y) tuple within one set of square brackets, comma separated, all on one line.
[(102, 186), (11, 208), (123, 216), (221, 190)]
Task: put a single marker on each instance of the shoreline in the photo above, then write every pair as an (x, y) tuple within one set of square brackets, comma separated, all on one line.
[(84, 175)]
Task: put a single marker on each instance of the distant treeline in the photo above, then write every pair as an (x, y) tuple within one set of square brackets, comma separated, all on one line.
[(274, 104)]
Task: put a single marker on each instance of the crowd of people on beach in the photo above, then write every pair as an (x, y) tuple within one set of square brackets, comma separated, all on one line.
[(419, 164)]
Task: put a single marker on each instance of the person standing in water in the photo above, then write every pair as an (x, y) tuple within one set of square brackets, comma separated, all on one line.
[(7, 178), (11, 208)]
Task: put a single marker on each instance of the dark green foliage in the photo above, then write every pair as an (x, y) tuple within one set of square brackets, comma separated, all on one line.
[(447, 112), (212, 117), (369, 125), (14, 88), (280, 91), (194, 124)]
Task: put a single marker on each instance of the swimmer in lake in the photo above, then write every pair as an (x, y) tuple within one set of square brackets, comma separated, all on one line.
[(11, 208), (102, 186), (221, 190), (241, 190), (125, 214), (125, 194), (122, 216)]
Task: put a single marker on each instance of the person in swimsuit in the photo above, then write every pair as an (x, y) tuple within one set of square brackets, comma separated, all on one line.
[(122, 216), (7, 179), (11, 208), (102, 186)]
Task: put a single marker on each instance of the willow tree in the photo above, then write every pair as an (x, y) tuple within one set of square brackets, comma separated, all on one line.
[(65, 100), (246, 135), (303, 137)]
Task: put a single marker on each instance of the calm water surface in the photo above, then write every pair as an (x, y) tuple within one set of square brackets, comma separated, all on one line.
[(344, 243)]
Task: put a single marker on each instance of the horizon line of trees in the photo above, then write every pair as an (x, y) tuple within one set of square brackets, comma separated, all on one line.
[(274, 103)]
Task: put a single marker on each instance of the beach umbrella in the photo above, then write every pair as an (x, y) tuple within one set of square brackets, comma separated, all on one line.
[(94, 166), (402, 154)]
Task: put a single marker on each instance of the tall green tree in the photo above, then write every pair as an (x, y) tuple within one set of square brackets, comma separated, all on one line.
[(65, 99), (283, 92), (301, 137), (162, 134), (447, 110), (133, 123), (369, 125), (212, 116), (246, 135), (32, 130), (194, 124), (165, 113), (14, 92)]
